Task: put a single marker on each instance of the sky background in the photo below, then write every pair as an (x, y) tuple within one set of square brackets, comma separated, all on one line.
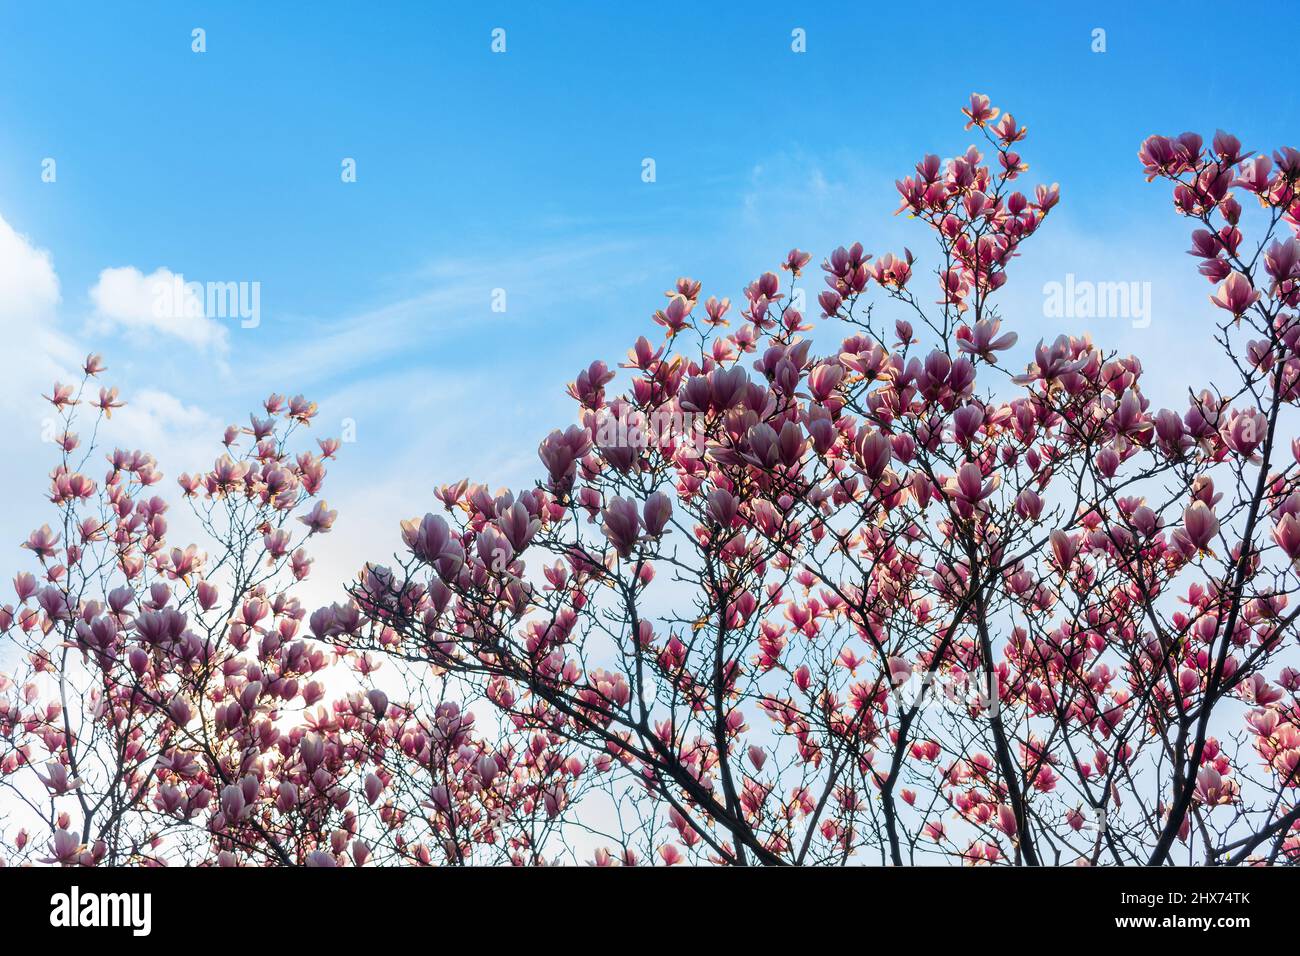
[(522, 171)]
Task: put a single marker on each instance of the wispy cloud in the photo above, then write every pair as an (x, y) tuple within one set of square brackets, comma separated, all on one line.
[(450, 296)]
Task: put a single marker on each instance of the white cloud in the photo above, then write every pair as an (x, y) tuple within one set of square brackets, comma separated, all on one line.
[(29, 297), (159, 302), (160, 423), (183, 437), (29, 288)]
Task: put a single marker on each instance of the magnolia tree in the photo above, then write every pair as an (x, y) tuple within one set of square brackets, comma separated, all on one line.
[(891, 603), (169, 707)]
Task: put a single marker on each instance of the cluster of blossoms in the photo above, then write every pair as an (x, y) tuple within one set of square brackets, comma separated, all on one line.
[(694, 649)]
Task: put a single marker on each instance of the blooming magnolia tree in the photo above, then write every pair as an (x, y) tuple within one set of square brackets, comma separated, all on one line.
[(886, 603)]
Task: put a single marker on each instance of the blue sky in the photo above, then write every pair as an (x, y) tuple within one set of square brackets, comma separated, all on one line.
[(522, 171)]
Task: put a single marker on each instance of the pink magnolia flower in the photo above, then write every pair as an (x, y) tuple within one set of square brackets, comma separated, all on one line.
[(1200, 525), (64, 848), (1244, 431), (43, 542), (1211, 788), (1064, 549), (319, 519), (56, 778), (1287, 535), (658, 510), (980, 112), (622, 525), (1235, 294), (983, 340)]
